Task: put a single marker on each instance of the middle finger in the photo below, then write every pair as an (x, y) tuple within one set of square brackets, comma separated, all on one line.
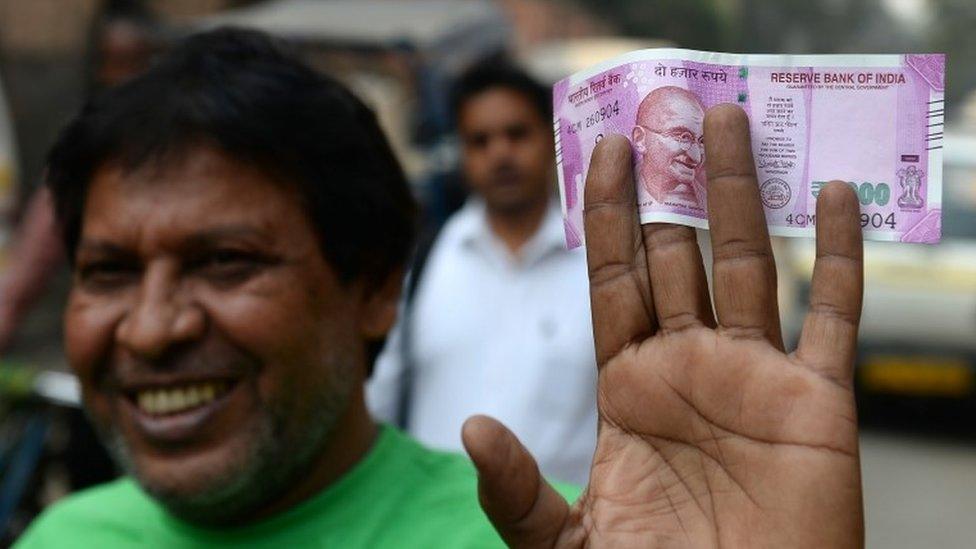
[(677, 275), (744, 274)]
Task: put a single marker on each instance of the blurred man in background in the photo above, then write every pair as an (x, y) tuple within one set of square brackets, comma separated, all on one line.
[(496, 319)]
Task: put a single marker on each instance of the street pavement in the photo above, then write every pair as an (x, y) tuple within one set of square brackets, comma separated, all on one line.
[(918, 492)]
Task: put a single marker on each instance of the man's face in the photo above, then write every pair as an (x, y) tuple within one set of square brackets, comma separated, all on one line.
[(673, 141), (506, 149), (215, 347)]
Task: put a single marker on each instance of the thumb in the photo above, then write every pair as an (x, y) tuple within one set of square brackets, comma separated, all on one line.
[(523, 507)]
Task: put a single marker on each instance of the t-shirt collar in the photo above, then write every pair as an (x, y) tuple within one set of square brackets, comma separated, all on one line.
[(475, 232)]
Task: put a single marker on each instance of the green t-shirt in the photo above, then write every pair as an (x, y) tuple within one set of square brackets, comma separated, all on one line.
[(400, 495)]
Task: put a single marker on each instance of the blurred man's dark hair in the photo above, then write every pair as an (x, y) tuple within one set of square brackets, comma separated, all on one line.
[(500, 73), (225, 88)]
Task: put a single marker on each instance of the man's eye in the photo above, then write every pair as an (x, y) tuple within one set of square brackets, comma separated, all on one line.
[(686, 138), (477, 141), (228, 265), (107, 274), (517, 133)]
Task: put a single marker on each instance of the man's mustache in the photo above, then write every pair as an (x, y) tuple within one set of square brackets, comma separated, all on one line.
[(124, 370), (505, 171)]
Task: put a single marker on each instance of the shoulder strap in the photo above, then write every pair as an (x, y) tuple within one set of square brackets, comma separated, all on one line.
[(424, 246)]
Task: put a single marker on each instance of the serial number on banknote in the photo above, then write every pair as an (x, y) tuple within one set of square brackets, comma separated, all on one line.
[(875, 221), (605, 113)]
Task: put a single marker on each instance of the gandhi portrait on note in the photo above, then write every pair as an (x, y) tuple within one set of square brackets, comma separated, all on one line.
[(667, 136)]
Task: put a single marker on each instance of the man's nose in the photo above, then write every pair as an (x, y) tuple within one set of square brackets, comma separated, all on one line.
[(696, 152), (500, 148), (162, 316)]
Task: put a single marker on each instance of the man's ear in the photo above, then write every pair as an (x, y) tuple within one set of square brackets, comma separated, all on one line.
[(380, 308), (637, 136)]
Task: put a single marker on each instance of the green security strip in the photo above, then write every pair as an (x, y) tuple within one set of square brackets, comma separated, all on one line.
[(867, 193)]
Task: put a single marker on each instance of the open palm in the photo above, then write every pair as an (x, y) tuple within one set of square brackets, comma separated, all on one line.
[(710, 434)]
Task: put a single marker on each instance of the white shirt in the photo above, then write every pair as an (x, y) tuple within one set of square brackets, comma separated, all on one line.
[(500, 335)]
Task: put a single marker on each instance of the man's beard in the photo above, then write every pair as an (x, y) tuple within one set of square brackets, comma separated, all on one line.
[(276, 458)]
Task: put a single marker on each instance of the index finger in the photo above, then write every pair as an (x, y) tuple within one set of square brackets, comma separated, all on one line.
[(620, 302)]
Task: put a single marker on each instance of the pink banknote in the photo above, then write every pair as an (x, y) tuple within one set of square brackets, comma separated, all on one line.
[(874, 121)]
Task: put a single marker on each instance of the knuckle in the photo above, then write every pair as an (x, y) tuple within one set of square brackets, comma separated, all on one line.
[(742, 249), (609, 272), (833, 311)]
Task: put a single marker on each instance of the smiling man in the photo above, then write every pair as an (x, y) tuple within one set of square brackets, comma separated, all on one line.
[(668, 138), (238, 225), (206, 329)]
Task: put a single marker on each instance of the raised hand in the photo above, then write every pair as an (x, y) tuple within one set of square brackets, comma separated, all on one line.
[(710, 434)]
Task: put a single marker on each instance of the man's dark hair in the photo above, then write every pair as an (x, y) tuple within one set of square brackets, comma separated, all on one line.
[(500, 73), (243, 92)]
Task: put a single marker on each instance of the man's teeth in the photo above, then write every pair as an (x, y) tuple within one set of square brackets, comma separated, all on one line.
[(178, 399)]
